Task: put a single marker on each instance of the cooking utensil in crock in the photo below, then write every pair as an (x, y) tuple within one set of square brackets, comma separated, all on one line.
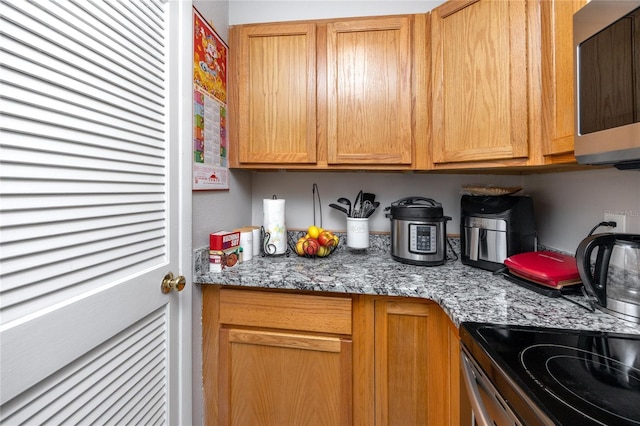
[(337, 207), (368, 196), (357, 205), (372, 209), (346, 202)]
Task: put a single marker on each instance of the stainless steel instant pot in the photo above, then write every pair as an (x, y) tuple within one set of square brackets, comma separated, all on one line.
[(418, 231)]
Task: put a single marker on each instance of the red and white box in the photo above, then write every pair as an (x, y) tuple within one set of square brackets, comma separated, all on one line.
[(223, 240), (223, 259)]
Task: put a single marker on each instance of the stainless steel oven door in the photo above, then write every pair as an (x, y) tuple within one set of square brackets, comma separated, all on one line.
[(489, 408)]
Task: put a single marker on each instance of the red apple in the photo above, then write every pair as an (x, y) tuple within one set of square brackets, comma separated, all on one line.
[(311, 246), (326, 239)]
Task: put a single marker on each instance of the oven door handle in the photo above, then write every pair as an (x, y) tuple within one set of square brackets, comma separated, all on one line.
[(477, 406)]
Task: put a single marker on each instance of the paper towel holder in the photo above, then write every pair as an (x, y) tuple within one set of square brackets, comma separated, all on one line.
[(269, 249)]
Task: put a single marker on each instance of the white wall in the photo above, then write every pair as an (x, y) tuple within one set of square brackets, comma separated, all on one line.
[(568, 205), (212, 211), (220, 210), (244, 12), (296, 189), (216, 12)]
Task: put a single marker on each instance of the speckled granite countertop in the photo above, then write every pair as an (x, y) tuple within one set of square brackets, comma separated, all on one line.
[(465, 293)]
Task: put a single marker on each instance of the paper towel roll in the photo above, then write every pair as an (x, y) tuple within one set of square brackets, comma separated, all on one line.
[(246, 242), (274, 225)]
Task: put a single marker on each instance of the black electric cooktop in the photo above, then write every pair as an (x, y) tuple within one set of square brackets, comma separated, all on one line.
[(564, 377)]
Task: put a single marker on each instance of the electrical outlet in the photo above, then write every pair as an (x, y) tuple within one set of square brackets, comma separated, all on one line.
[(619, 219)]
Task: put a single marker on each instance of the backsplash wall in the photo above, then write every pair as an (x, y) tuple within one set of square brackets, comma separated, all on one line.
[(567, 205), (296, 189)]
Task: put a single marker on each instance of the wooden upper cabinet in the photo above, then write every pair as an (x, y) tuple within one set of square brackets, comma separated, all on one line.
[(330, 94), (275, 83), (369, 97), (558, 97), (473, 84), (480, 83)]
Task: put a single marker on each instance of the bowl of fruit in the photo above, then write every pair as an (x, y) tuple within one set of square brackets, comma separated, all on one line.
[(316, 242)]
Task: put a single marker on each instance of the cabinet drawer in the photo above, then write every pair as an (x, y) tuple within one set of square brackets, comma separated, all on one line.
[(302, 312)]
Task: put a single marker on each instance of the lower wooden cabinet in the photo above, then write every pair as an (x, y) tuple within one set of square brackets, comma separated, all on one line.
[(269, 378), (286, 358), (412, 360), (407, 352)]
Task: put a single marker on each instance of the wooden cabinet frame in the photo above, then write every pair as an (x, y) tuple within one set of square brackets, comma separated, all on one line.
[(557, 80)]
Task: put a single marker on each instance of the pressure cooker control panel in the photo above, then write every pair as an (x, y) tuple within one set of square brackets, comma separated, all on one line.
[(422, 238)]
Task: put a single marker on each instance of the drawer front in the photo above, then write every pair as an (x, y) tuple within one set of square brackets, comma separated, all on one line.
[(322, 314)]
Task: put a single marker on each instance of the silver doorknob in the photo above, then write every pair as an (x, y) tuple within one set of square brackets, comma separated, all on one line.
[(172, 283)]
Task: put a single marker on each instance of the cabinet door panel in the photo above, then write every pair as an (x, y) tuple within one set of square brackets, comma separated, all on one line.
[(286, 311), (412, 374), (369, 91), (284, 379), (277, 93), (480, 81)]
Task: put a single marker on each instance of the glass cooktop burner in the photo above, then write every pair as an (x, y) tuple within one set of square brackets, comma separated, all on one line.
[(599, 386), (574, 377)]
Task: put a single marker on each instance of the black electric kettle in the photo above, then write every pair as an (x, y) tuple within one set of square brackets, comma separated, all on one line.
[(612, 280)]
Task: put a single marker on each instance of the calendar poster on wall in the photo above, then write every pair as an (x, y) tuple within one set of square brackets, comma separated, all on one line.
[(210, 142)]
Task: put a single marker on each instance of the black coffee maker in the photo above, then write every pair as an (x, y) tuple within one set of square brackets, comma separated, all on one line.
[(493, 228)]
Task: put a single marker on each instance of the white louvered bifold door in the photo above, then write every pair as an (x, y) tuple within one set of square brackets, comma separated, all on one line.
[(89, 211)]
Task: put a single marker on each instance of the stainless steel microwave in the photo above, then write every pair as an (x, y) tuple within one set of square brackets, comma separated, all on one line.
[(606, 38)]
